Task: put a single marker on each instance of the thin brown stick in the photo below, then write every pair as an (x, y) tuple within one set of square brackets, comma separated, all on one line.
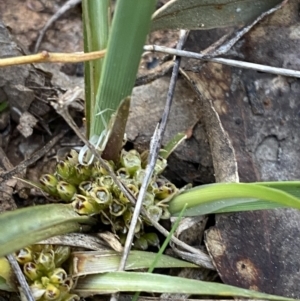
[(50, 57)]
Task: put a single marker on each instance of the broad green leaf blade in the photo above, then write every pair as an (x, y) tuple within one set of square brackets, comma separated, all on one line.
[(155, 283), (131, 24), (229, 197), (206, 14), (85, 263), (291, 187), (96, 22), (26, 226)]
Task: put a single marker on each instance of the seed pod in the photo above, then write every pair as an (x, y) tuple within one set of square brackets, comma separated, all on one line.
[(152, 239), (24, 255), (31, 271), (72, 157), (140, 244), (116, 208), (52, 292), (102, 196), (85, 187), (61, 254), (45, 261), (65, 190), (83, 173), (85, 205), (58, 276), (49, 183), (155, 212), (131, 161)]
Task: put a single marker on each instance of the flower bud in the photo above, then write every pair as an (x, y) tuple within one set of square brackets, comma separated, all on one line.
[(140, 244), (65, 190), (152, 239), (61, 254)]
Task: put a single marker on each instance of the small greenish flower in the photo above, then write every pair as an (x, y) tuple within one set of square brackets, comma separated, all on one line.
[(72, 157), (48, 183), (155, 212), (160, 165), (105, 181), (148, 199), (165, 213), (122, 173), (31, 271), (163, 192), (101, 195), (65, 190), (116, 208), (24, 255), (45, 261), (139, 177), (58, 276), (131, 161), (52, 292), (65, 171), (37, 289), (85, 205), (85, 187), (82, 172)]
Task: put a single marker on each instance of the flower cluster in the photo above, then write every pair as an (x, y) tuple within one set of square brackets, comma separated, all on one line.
[(91, 190), (41, 266)]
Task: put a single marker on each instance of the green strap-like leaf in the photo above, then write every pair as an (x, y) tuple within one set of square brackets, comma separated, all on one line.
[(26, 226), (131, 24), (230, 197), (205, 14), (155, 283)]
